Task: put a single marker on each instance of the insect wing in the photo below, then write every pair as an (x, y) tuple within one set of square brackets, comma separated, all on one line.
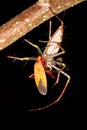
[(40, 78)]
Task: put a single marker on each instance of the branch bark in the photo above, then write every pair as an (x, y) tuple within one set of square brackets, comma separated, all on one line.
[(30, 18)]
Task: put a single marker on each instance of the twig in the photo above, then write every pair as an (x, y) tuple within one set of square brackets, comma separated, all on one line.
[(31, 18)]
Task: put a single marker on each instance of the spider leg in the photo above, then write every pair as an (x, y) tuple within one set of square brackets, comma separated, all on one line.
[(60, 53), (50, 25), (61, 94), (62, 65), (34, 45), (57, 79), (22, 58)]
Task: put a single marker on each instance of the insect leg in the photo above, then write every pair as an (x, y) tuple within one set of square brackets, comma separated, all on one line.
[(50, 74), (31, 76)]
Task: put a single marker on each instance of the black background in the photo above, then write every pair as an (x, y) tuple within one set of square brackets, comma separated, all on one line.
[(18, 93)]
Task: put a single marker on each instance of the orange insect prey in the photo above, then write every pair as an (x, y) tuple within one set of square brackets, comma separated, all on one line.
[(40, 76)]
